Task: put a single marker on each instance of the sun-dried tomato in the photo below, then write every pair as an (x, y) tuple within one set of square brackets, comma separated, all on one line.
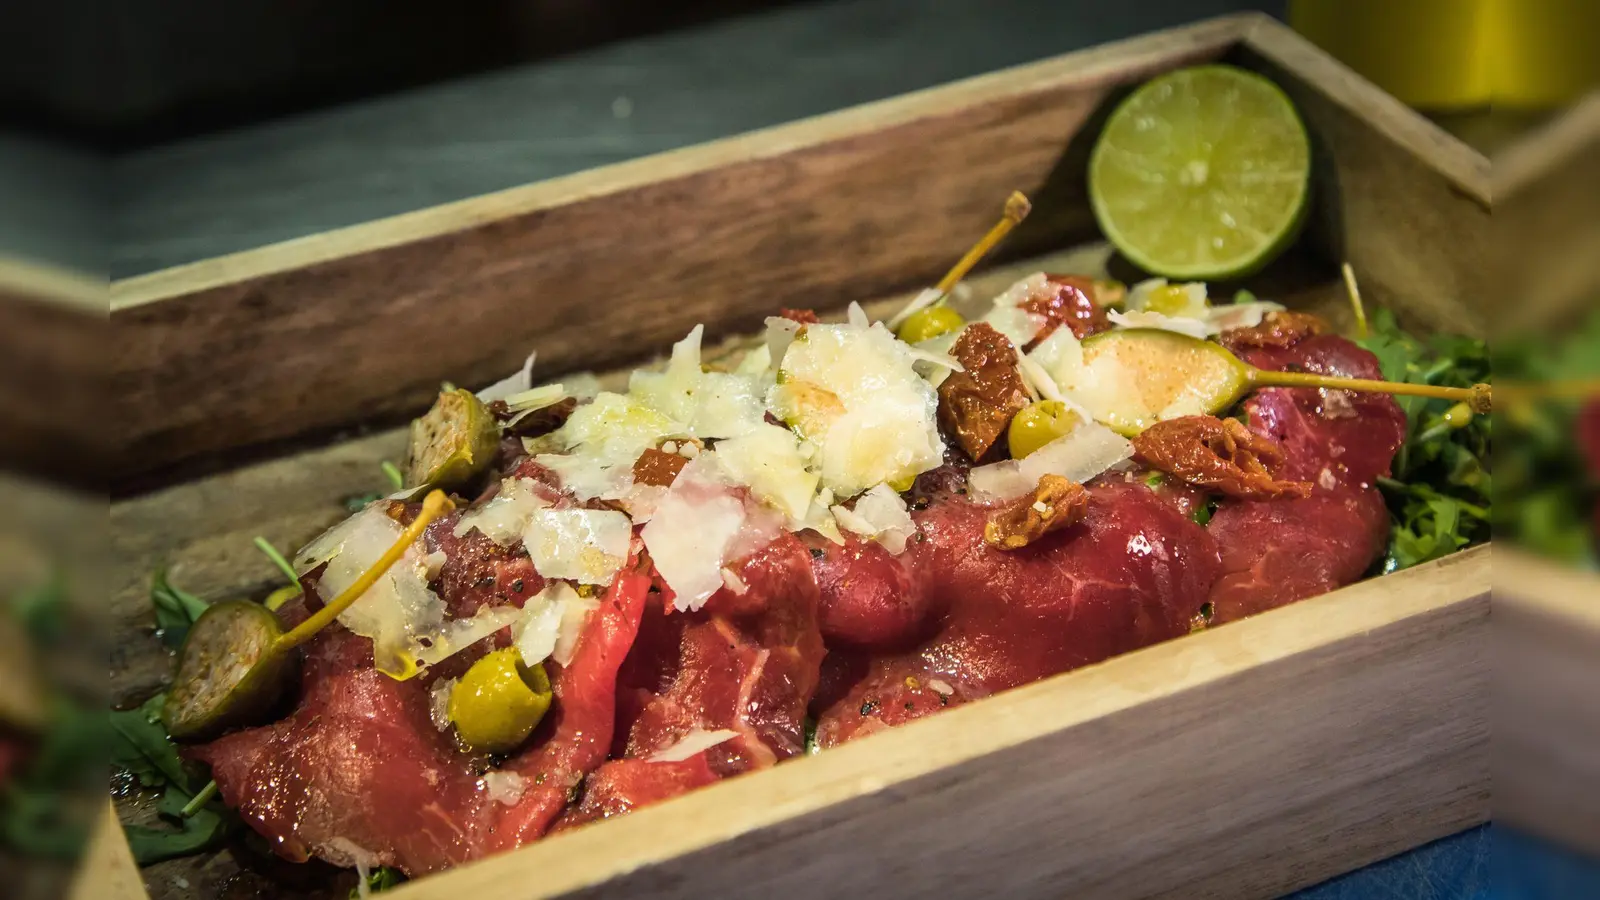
[(657, 467), (977, 404), (1278, 329), (1220, 454), (1069, 300), (1056, 503), (540, 421), (803, 316)]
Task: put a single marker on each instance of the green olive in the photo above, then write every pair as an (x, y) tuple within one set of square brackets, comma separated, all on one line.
[(499, 702), (926, 324), (456, 440), (1038, 424), (231, 672)]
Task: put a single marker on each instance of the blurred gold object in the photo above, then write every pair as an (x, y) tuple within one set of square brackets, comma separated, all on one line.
[(1460, 54)]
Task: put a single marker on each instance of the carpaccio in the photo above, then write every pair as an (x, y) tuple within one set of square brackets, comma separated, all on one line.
[(849, 635)]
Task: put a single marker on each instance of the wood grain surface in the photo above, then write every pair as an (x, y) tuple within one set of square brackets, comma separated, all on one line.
[(53, 336)]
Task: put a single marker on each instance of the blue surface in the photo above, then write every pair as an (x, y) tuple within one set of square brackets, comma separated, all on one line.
[(1487, 863)]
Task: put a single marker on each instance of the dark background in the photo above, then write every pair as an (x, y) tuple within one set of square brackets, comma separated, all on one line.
[(151, 133)]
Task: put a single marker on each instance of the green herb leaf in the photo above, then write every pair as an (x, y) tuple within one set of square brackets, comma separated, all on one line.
[(380, 879), (176, 609), (140, 745), (187, 836), (1439, 493)]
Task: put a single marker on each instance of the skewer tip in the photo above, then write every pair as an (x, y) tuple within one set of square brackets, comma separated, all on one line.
[(1018, 206), (1482, 399)]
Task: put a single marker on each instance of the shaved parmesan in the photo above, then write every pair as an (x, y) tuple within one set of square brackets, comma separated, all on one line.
[(857, 316), (700, 527), (729, 405), (1080, 455), (696, 741), (506, 515), (921, 301), (1241, 315), (879, 514), (584, 545), (755, 362), (526, 403), (504, 787), (781, 332), (439, 703), (458, 634), (1018, 325), (398, 608), (551, 623), (673, 392), (769, 461), (1187, 301), (520, 380), (1195, 328), (1009, 318), (603, 438), (854, 392)]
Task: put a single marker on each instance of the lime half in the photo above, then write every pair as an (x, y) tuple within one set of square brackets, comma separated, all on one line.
[(1201, 174)]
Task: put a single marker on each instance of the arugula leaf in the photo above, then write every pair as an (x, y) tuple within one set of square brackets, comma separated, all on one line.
[(810, 731), (200, 831), (140, 745), (1439, 493), (176, 609), (380, 879)]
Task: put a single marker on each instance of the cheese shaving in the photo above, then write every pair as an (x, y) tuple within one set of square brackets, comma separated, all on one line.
[(1080, 455), (923, 300), (696, 741), (551, 623), (585, 545), (520, 380), (505, 788), (880, 514), (506, 515), (398, 608), (699, 528)]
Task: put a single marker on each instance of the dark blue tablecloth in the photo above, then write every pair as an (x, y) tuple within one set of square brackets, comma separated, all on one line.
[(1480, 864)]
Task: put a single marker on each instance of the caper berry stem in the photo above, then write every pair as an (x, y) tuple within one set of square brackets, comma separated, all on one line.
[(1479, 396), (433, 506), (1017, 209)]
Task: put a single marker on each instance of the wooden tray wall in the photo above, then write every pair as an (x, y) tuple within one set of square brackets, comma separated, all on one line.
[(1242, 762), (361, 324)]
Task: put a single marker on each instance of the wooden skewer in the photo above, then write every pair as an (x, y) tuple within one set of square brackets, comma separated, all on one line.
[(1017, 209), (433, 506)]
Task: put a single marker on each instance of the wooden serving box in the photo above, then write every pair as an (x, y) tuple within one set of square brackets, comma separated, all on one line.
[(1245, 761)]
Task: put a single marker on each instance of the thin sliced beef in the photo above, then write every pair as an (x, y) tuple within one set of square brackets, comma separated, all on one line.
[(575, 737), (1133, 572), (623, 785), (357, 773), (870, 598), (1328, 437), (746, 661), (1275, 552)]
